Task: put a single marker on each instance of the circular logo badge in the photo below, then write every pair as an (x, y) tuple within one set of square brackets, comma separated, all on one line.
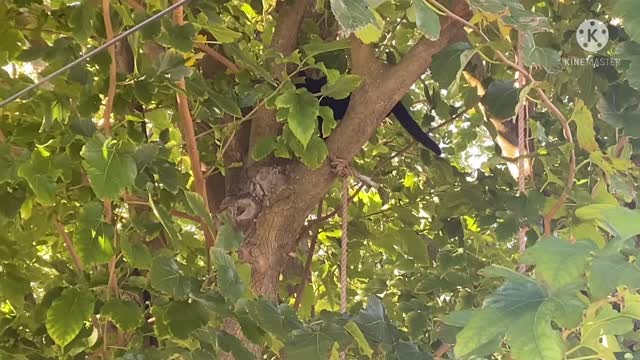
[(592, 35)]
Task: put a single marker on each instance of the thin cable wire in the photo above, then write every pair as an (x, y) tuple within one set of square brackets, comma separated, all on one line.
[(123, 35)]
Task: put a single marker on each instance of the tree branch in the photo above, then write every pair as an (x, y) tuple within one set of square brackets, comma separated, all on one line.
[(69, 245)]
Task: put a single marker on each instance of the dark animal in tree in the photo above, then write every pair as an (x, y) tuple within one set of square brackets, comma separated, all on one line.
[(339, 107)]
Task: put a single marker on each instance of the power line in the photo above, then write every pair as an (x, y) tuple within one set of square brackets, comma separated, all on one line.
[(109, 43)]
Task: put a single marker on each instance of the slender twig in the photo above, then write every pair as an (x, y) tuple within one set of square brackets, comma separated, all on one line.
[(218, 57), (306, 273), (69, 245)]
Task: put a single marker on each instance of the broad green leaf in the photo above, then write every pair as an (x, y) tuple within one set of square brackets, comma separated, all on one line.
[(342, 87), (227, 102), (111, 169), (223, 33), (328, 121), (548, 58), (127, 315), (68, 314), (81, 20), (165, 275), (229, 280), (233, 345), (93, 236), (629, 11), (229, 237), (183, 318), (619, 221), (584, 123), (14, 288), (136, 253), (427, 21), (315, 153), (41, 178), (279, 321), (179, 37), (352, 14), (374, 323), (610, 271), (303, 110), (448, 63), (315, 344), (172, 63), (199, 208), (520, 310), (317, 46), (355, 332), (263, 148), (501, 99), (165, 219), (558, 262)]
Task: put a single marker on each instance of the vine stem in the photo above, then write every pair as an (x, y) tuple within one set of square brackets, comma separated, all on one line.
[(190, 141), (548, 217), (69, 245), (306, 272)]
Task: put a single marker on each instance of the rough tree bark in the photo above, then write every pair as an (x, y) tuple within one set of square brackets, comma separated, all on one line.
[(275, 196)]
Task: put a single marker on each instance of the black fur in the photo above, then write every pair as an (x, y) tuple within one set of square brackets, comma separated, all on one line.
[(339, 107)]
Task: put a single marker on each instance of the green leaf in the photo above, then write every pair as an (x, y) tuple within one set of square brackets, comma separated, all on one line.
[(68, 313), (317, 46), (373, 322), (136, 253), (81, 20), (352, 14), (229, 238), (183, 318), (328, 121), (229, 280), (172, 63), (223, 34), (233, 345), (621, 222), (40, 177), (610, 271), (549, 59), (263, 148), (178, 37), (126, 315), (165, 219), (228, 103), (363, 345), (93, 236), (520, 311), (427, 21), (341, 87), (448, 63), (629, 11), (279, 321), (111, 169), (165, 275), (315, 344), (199, 208), (584, 123), (501, 99), (303, 110), (315, 153), (559, 263)]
